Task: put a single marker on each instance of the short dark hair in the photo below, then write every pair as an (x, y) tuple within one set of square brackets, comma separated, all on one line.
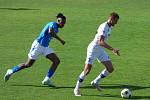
[(114, 15), (60, 15)]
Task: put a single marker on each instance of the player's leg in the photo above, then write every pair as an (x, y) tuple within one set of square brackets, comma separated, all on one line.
[(105, 72), (32, 56), (17, 68), (87, 68), (85, 72), (104, 59), (55, 62), (35, 51)]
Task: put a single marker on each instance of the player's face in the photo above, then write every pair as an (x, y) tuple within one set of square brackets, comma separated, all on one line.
[(61, 22), (114, 21)]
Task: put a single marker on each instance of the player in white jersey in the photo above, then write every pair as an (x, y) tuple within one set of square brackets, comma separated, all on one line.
[(96, 50), (40, 46)]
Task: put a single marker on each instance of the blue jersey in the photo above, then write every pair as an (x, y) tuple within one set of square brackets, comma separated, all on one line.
[(45, 37)]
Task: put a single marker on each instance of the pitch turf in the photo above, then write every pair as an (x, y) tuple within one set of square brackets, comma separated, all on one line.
[(22, 20)]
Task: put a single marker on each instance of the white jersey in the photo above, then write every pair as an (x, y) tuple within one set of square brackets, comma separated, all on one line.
[(103, 30), (94, 50)]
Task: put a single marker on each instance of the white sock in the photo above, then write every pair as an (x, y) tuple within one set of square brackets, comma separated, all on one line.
[(103, 74), (80, 80), (46, 78)]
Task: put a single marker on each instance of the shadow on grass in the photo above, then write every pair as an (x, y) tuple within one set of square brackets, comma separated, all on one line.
[(140, 97), (119, 86), (18, 9), (27, 85), (118, 96), (104, 86), (57, 87), (103, 95)]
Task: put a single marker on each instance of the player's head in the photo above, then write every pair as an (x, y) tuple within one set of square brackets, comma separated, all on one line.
[(113, 19), (61, 20)]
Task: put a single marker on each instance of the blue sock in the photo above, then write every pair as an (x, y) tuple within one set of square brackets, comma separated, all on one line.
[(16, 69), (50, 73)]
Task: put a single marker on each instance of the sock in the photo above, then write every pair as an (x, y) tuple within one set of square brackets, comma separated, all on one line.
[(16, 69), (50, 73), (46, 78), (103, 74), (80, 80)]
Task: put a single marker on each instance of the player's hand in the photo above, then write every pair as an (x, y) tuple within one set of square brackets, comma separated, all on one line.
[(116, 51), (63, 42)]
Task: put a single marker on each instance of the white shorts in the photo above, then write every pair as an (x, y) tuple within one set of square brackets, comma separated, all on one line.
[(96, 52), (37, 49)]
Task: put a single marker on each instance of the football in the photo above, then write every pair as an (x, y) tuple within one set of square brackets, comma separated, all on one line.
[(126, 93)]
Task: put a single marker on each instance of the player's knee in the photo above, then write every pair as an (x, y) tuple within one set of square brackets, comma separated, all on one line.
[(110, 70), (22, 65), (56, 61), (28, 65)]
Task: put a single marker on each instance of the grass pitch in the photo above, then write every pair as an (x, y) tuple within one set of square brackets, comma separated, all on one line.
[(21, 22)]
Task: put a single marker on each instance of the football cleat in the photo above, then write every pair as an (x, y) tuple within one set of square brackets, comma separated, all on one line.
[(77, 92), (96, 86), (48, 82), (7, 75)]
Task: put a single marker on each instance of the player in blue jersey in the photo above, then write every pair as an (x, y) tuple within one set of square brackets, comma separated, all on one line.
[(40, 47)]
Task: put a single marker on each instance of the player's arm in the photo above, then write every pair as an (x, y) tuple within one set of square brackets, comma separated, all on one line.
[(102, 43), (51, 31)]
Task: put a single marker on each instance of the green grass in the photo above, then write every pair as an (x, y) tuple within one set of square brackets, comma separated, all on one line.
[(22, 20)]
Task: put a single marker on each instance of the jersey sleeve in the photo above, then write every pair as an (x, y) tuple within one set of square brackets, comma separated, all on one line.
[(50, 25), (54, 27), (101, 30)]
